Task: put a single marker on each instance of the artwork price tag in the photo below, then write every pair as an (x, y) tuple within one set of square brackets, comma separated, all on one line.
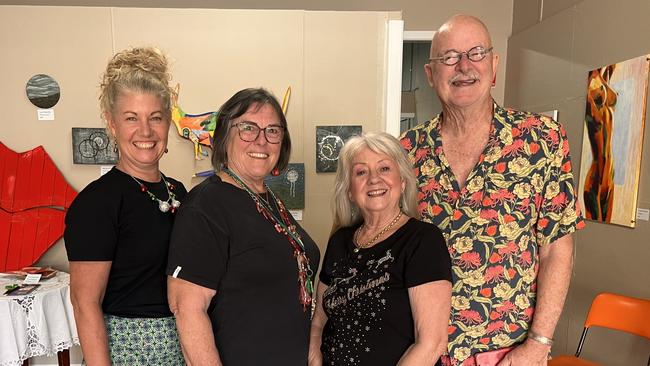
[(105, 169), (45, 114), (643, 214), (32, 278), (297, 214)]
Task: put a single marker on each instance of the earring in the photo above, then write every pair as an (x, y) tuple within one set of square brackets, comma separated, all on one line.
[(166, 150), (115, 149), (275, 172)]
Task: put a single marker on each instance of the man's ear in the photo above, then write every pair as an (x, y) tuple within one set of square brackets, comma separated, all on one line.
[(495, 66), (429, 71)]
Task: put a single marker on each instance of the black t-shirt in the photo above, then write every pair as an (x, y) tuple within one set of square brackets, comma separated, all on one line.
[(113, 220), (369, 318), (220, 241)]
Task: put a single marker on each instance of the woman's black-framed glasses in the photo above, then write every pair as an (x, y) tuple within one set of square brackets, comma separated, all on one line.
[(250, 131), (451, 58)]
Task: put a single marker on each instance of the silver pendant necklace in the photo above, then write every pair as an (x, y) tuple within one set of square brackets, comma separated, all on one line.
[(171, 204)]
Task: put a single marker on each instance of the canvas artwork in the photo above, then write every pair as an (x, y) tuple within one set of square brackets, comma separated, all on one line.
[(92, 146), (290, 186), (613, 140), (329, 141), (43, 91)]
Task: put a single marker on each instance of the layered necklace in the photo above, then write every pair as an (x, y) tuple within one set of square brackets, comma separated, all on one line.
[(358, 245), (283, 225), (171, 204)]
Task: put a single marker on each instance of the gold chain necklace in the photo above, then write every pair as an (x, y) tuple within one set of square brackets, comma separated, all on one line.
[(373, 240)]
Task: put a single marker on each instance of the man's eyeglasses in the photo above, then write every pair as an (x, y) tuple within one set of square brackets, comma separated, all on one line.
[(249, 131), (451, 58)]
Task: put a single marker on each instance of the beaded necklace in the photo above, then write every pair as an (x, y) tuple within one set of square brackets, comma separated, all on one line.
[(171, 204), (283, 225)]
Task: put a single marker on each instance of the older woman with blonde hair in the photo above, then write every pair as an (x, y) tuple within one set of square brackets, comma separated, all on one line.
[(384, 292)]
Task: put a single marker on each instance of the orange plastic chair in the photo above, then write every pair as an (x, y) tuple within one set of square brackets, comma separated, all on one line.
[(618, 312)]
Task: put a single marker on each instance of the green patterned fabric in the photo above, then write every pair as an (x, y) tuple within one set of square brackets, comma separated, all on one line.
[(143, 341)]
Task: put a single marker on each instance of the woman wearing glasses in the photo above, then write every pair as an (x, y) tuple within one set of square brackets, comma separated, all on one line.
[(241, 269)]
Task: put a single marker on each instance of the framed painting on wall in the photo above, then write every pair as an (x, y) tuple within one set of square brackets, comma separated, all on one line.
[(289, 185), (613, 141), (92, 146), (329, 141)]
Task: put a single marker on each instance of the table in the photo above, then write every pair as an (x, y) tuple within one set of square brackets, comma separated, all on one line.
[(38, 324)]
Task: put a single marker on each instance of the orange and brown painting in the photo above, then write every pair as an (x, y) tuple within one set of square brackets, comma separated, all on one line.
[(613, 138), (599, 183)]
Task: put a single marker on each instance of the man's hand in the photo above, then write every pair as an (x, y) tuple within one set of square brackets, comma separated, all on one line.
[(529, 353)]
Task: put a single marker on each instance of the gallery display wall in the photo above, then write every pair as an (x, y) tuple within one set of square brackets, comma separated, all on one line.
[(334, 63), (548, 64)]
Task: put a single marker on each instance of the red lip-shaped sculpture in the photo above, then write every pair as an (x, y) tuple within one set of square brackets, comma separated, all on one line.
[(34, 197)]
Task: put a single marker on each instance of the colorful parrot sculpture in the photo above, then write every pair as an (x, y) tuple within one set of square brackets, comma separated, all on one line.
[(198, 128)]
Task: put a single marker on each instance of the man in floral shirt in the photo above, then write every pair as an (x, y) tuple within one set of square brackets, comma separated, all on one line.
[(499, 184)]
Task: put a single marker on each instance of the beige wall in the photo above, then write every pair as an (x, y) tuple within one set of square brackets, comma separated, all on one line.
[(418, 15), (547, 69)]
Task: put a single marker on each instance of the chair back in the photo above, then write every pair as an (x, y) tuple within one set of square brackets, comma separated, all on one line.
[(627, 314)]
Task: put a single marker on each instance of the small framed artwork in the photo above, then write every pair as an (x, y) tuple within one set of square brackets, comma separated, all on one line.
[(329, 141), (92, 146), (290, 186), (43, 91)]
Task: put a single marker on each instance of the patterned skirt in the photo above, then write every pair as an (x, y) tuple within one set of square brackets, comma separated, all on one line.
[(143, 341)]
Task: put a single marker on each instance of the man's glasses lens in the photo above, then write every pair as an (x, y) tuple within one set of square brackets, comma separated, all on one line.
[(475, 54), (249, 131)]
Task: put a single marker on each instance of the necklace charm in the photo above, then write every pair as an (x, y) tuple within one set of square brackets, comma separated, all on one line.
[(164, 206)]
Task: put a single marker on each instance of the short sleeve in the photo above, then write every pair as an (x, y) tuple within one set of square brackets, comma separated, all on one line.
[(559, 213), (428, 259), (91, 227), (335, 252), (198, 248)]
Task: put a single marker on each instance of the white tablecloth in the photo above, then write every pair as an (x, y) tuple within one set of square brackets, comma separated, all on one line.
[(39, 324)]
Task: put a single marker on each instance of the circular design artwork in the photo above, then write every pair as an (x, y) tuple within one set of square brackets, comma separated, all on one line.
[(95, 143), (330, 147), (43, 91)]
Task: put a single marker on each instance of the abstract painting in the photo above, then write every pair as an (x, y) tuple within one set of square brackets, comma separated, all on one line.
[(92, 146), (613, 140), (329, 141), (43, 91), (290, 186)]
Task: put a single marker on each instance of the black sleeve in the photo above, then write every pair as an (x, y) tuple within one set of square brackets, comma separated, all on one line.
[(198, 247), (428, 259), (335, 250), (92, 226)]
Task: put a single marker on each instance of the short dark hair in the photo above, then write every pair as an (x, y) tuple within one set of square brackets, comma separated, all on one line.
[(234, 108)]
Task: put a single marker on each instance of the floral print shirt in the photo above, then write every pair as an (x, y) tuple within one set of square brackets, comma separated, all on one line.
[(519, 196)]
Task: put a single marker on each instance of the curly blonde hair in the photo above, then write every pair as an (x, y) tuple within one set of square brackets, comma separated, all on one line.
[(142, 69)]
